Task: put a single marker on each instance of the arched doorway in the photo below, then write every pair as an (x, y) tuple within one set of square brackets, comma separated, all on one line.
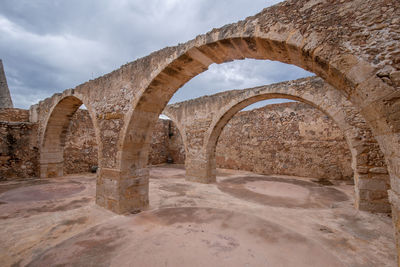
[(53, 139)]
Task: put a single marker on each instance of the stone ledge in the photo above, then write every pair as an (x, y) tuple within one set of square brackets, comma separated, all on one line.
[(378, 170)]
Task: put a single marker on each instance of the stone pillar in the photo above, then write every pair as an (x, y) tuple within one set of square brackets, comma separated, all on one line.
[(5, 97), (200, 169), (51, 164), (371, 190), (395, 202), (122, 193)]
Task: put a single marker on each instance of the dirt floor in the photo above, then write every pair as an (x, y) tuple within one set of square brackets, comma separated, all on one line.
[(243, 220)]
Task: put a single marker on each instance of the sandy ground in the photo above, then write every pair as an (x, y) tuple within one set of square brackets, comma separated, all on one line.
[(243, 220)]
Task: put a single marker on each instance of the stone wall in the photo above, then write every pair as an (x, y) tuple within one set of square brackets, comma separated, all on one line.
[(175, 145), (289, 138), (166, 144), (18, 146), (159, 143), (81, 150), (14, 115), (19, 156)]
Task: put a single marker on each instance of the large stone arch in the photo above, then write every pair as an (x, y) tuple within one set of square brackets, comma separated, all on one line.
[(53, 129), (370, 173), (306, 39)]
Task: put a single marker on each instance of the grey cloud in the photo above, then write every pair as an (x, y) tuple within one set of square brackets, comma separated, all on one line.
[(49, 46)]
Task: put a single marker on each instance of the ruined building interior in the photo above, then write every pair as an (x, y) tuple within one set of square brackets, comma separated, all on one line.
[(311, 181)]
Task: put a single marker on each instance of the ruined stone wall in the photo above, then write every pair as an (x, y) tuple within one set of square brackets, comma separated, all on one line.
[(159, 143), (289, 138), (175, 145), (14, 115), (18, 145), (81, 149), (19, 156), (166, 144)]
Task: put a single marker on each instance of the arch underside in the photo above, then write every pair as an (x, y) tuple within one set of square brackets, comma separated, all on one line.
[(53, 139)]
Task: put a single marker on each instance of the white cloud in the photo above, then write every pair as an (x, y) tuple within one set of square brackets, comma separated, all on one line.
[(238, 74)]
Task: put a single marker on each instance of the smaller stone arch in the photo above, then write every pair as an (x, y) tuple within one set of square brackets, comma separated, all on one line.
[(58, 111), (371, 177)]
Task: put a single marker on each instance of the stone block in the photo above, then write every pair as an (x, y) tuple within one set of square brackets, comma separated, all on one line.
[(372, 184)]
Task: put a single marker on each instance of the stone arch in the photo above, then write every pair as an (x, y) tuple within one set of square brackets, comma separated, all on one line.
[(341, 60), (371, 181), (155, 96), (54, 129)]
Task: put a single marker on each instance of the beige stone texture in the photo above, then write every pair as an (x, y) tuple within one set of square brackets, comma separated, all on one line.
[(287, 139), (14, 115)]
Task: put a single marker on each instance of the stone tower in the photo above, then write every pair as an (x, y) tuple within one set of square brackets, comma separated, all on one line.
[(5, 97)]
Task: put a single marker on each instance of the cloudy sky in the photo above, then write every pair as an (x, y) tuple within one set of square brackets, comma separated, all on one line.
[(51, 45)]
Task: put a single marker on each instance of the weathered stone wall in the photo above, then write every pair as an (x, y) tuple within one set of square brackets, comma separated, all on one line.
[(18, 145), (159, 143), (19, 154), (291, 138), (14, 115), (175, 144), (81, 149), (166, 144), (288, 138), (18, 150)]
